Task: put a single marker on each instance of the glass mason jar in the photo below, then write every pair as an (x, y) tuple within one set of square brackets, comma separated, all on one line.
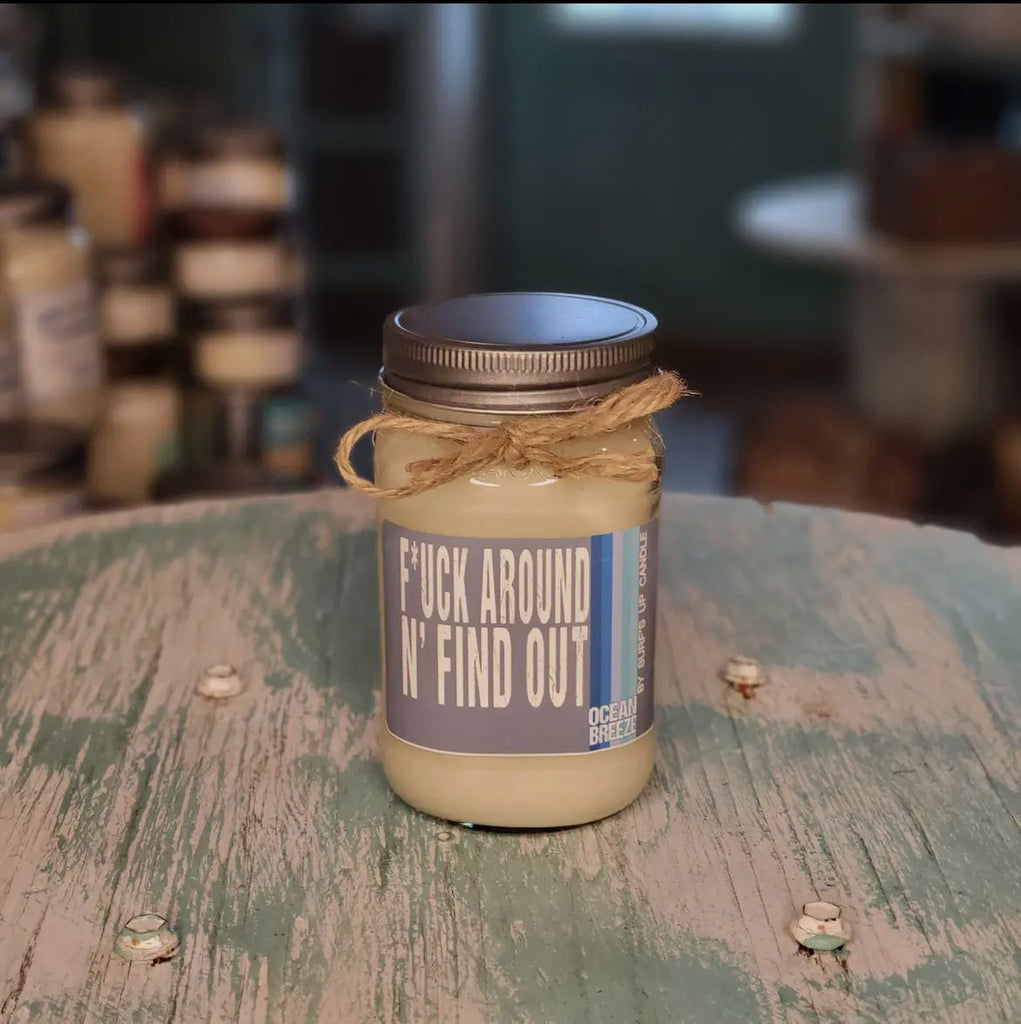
[(518, 603), (136, 302)]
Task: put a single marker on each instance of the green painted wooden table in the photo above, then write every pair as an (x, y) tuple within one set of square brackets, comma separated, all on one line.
[(879, 768)]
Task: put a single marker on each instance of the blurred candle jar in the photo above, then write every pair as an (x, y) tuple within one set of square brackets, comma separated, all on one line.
[(225, 181), (42, 473), (86, 134), (136, 440), (137, 312), (137, 436), (270, 430), (287, 424), (51, 303), (518, 597), (251, 345), (207, 270)]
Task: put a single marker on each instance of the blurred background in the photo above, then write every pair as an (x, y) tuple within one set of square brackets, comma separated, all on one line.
[(207, 210)]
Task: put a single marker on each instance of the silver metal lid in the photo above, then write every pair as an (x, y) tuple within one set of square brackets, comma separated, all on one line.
[(29, 449), (516, 351)]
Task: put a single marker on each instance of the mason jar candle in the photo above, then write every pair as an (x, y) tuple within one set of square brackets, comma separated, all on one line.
[(50, 304), (226, 180), (86, 134), (518, 473)]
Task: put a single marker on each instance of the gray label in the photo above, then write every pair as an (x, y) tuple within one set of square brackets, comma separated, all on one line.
[(536, 646)]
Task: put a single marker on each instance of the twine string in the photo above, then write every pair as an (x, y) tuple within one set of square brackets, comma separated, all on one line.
[(523, 441)]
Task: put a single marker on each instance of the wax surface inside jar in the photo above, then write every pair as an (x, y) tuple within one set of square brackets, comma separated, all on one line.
[(524, 791)]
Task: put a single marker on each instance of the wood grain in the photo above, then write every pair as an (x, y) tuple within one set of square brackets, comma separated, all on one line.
[(879, 768)]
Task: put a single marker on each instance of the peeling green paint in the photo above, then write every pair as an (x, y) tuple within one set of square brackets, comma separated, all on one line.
[(248, 856)]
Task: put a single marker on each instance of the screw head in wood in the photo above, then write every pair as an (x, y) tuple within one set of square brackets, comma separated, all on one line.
[(743, 673), (146, 938), (219, 682), (821, 926)]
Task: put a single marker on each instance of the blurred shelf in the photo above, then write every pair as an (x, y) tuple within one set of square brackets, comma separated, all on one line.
[(818, 219)]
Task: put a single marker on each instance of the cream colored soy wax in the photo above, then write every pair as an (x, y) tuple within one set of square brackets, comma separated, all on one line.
[(518, 595)]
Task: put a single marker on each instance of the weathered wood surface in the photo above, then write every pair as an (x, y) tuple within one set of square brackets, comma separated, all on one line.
[(879, 768)]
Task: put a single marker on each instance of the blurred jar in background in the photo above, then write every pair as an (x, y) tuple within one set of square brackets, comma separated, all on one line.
[(135, 441), (225, 180), (248, 345), (210, 270), (50, 303), (137, 314), (138, 432), (249, 353), (287, 426), (86, 135), (42, 473)]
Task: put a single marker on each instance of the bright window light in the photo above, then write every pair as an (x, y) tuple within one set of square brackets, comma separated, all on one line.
[(767, 21)]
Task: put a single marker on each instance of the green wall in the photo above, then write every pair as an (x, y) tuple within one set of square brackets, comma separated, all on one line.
[(616, 164), (613, 163)]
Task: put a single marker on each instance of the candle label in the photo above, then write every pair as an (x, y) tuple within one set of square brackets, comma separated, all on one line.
[(519, 646), (59, 334)]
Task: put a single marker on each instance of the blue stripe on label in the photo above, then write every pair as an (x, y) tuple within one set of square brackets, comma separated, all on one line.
[(613, 671), (617, 617), (606, 639), (629, 618), (598, 663)]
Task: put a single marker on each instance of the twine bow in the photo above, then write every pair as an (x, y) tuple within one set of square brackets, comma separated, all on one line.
[(523, 441)]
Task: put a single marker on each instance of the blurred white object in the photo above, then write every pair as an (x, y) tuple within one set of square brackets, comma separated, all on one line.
[(924, 352), (763, 21)]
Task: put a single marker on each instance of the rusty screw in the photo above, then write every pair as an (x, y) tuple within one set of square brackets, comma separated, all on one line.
[(821, 926), (744, 674), (219, 682), (146, 938)]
